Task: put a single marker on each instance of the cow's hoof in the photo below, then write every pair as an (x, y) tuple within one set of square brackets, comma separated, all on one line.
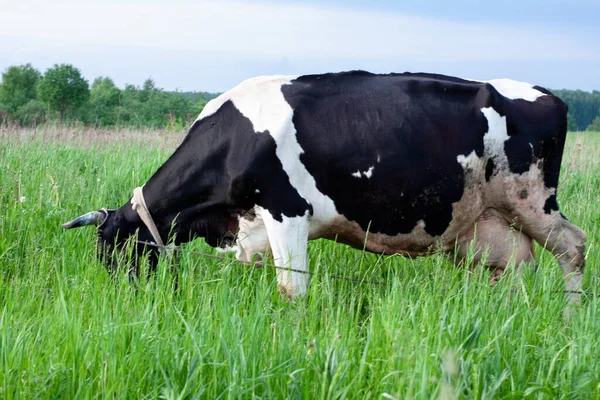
[(573, 303), (290, 292), (287, 292), (569, 312), (495, 276), (284, 292)]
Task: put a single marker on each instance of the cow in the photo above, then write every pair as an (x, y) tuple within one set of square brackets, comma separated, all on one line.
[(389, 163)]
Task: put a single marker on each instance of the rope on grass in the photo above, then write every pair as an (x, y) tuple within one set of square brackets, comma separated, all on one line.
[(260, 264)]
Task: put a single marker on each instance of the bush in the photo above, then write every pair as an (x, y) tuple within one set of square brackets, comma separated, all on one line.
[(594, 126), (31, 113)]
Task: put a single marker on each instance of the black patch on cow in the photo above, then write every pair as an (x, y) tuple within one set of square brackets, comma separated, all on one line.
[(250, 215), (523, 194), (551, 204), (537, 133), (409, 128), (221, 171), (519, 156), (489, 169)]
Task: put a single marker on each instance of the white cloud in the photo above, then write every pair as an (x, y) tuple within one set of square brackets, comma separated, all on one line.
[(271, 30)]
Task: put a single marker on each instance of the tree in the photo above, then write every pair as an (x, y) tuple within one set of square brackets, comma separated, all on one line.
[(148, 89), (19, 86), (595, 125), (63, 88), (104, 101), (571, 123)]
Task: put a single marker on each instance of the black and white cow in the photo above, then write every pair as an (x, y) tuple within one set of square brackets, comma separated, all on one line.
[(413, 159)]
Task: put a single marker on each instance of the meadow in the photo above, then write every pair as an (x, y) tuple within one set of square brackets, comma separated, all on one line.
[(215, 329)]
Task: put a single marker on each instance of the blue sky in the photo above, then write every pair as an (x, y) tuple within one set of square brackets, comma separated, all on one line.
[(213, 45), (552, 13)]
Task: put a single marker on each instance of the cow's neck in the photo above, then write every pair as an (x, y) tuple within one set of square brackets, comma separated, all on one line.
[(189, 185)]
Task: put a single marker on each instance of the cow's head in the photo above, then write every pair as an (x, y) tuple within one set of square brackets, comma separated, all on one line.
[(120, 232), (114, 230)]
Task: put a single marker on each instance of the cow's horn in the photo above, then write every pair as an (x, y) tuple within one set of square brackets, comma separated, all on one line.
[(91, 218)]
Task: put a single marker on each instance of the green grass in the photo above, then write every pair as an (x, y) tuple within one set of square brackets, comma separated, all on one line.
[(69, 330)]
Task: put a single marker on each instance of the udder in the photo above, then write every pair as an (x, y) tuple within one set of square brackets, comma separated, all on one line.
[(495, 243)]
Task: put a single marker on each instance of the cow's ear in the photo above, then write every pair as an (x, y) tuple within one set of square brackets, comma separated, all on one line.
[(95, 218)]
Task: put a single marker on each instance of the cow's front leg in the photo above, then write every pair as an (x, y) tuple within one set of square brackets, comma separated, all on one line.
[(288, 238)]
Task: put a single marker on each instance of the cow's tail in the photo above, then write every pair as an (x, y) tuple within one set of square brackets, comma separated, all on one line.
[(553, 145)]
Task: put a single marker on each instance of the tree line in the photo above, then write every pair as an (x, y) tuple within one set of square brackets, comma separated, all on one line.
[(584, 109), (29, 97)]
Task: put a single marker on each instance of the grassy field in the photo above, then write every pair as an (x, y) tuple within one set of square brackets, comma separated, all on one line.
[(70, 330)]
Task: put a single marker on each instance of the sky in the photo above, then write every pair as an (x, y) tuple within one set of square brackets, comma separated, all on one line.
[(213, 45)]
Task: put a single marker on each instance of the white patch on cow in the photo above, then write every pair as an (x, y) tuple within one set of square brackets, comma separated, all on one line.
[(228, 249), (496, 136), (247, 88), (467, 161), (252, 236), (257, 191), (261, 101), (213, 106), (497, 130), (378, 158), (289, 241), (514, 89), (367, 174), (493, 143)]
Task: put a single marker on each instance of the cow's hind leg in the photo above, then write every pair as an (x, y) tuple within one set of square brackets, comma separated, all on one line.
[(534, 208), (289, 241), (566, 241)]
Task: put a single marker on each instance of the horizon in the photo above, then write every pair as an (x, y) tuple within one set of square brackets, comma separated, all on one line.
[(211, 47)]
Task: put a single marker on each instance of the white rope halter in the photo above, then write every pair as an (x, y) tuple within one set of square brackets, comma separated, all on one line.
[(139, 205)]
